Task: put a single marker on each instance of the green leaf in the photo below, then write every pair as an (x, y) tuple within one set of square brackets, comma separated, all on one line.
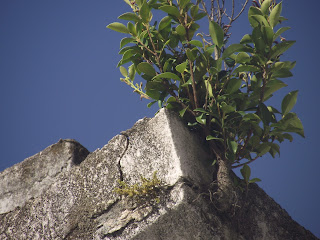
[(296, 126), (132, 29), (153, 94), (183, 111), (289, 123), (275, 148), (128, 54), (234, 85), (273, 110), (208, 138), (130, 17), (123, 50), (146, 68), (128, 2), (171, 100), (132, 72), (255, 139), (208, 88), (192, 55), (196, 43), (164, 22), (288, 65), (281, 19), (216, 33), (154, 89), (209, 50), (174, 40), (227, 108), (200, 15), (194, 10), (140, 2), (265, 114), (288, 136), (261, 20), (118, 27), (253, 11), (246, 39), (125, 41), (272, 86), (281, 48), (234, 48), (183, 3), (282, 73), (242, 57), (230, 62), (193, 28), (123, 71), (188, 83), (275, 14), (182, 67), (172, 10), (263, 148), (145, 12), (233, 146), (251, 117), (246, 68), (151, 103), (156, 86), (245, 172), (167, 75), (201, 110), (254, 180), (181, 30), (265, 7), (258, 40), (280, 31), (268, 35), (289, 101), (201, 119)]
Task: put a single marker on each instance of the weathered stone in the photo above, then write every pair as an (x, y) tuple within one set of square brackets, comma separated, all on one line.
[(34, 175), (165, 145), (81, 202)]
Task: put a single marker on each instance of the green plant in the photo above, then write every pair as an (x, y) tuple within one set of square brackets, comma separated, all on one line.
[(147, 191), (222, 91)]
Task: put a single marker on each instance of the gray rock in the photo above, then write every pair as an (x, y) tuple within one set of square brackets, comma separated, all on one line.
[(80, 201), (34, 175)]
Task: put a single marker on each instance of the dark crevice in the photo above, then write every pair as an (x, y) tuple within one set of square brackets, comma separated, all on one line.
[(70, 232), (118, 232), (121, 156), (98, 214)]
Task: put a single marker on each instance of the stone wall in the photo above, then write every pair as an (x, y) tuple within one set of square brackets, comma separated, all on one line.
[(64, 192)]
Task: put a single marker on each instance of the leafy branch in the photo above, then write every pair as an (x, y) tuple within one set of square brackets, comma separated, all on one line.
[(220, 90)]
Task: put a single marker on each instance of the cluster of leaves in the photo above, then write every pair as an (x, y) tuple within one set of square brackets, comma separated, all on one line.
[(147, 191), (220, 90)]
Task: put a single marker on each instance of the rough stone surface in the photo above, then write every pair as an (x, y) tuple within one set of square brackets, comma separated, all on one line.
[(79, 202), (34, 175)]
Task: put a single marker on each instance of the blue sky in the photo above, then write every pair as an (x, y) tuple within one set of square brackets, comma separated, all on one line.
[(58, 79)]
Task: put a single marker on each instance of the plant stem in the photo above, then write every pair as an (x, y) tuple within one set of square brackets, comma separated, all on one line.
[(193, 85)]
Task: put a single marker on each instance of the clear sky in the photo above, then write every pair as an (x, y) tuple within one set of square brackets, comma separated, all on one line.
[(58, 79)]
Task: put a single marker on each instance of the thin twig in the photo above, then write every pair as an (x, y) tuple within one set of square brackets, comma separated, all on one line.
[(148, 49), (242, 164), (212, 10), (193, 85), (245, 144), (241, 11), (154, 49)]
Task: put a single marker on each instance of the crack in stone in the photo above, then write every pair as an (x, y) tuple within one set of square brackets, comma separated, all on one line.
[(121, 156), (110, 205), (70, 232)]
